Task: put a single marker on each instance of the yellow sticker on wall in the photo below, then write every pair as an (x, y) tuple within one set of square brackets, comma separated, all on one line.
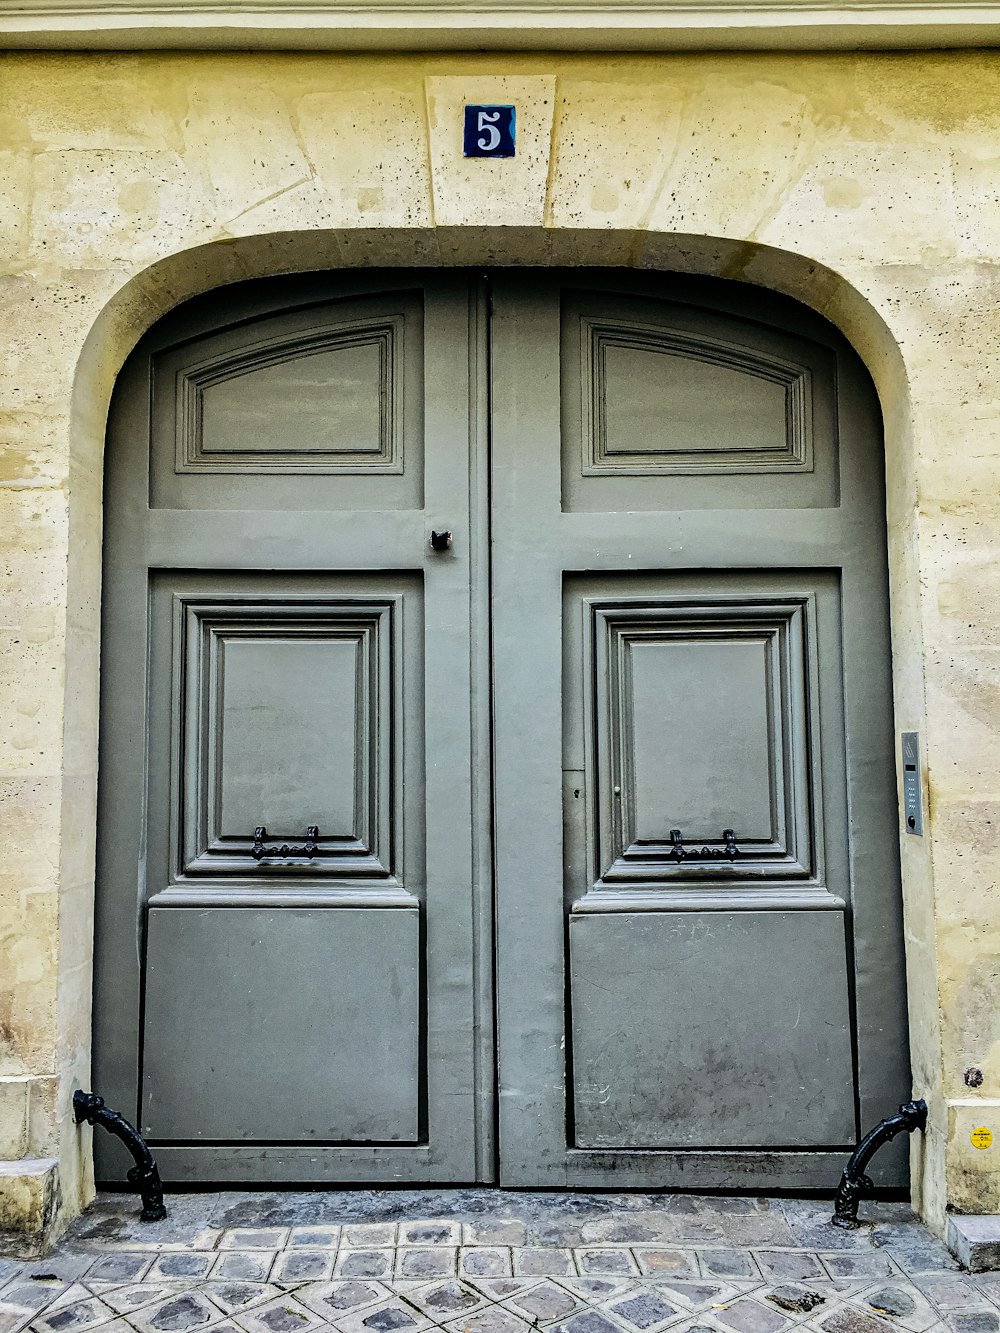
[(981, 1137)]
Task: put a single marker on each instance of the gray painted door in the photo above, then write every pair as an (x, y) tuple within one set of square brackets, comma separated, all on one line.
[(698, 948), (285, 985), (689, 637)]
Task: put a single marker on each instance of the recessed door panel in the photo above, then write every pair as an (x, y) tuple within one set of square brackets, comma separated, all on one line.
[(716, 1030), (333, 398), (290, 1025), (665, 404), (316, 407), (285, 714), (697, 722), (263, 723)]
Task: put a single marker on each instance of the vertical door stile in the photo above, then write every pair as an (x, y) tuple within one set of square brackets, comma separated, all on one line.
[(527, 670), (448, 713), (481, 634)]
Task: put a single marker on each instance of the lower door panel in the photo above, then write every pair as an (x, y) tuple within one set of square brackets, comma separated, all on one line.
[(300, 1024), (710, 1030)]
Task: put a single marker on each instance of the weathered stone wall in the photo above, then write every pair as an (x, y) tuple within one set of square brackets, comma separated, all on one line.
[(864, 185)]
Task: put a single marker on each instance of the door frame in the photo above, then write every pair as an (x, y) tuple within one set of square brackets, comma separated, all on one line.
[(483, 852)]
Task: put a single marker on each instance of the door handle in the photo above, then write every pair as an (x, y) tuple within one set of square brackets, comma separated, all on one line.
[(310, 848), (678, 852)]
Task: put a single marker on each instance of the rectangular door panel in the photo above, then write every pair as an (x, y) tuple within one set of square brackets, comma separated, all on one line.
[(710, 1030), (697, 720), (284, 712), (290, 1025), (287, 712)]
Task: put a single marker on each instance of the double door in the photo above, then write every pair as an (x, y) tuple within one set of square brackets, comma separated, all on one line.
[(496, 771)]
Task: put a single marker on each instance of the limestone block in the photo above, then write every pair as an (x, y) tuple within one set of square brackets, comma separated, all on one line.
[(26, 1106), (388, 187), (43, 1138), (945, 319), (33, 447), (29, 944), (970, 970), (241, 138), (485, 192), (32, 580), (973, 1172), (964, 699), (96, 206), (51, 103), (14, 1101), (373, 247), (29, 1199), (707, 186), (76, 917), (887, 203), (959, 449), (30, 814), (46, 322), (612, 152), (15, 204), (467, 246), (965, 550), (975, 1241), (975, 169), (75, 1001)]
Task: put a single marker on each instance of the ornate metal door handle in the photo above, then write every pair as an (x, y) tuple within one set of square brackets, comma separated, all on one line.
[(678, 852), (310, 848)]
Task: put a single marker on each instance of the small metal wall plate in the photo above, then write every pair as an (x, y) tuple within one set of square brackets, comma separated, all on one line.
[(489, 131), (913, 793)]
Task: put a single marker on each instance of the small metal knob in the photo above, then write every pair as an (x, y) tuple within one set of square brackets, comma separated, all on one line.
[(440, 541)]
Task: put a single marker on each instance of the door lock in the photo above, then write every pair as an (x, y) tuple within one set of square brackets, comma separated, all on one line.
[(440, 541)]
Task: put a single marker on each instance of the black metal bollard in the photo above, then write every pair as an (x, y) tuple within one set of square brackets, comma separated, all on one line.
[(145, 1174), (854, 1183)]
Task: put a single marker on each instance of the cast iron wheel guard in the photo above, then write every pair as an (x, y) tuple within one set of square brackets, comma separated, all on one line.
[(854, 1184), (145, 1174)]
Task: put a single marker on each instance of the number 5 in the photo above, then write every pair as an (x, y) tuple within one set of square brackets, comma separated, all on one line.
[(487, 121)]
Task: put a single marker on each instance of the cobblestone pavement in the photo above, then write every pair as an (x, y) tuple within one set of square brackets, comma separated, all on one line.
[(488, 1261)]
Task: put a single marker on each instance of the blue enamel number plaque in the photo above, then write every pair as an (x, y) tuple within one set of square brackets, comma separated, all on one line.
[(489, 131)]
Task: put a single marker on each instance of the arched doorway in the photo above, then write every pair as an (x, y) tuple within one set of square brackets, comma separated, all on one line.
[(637, 524)]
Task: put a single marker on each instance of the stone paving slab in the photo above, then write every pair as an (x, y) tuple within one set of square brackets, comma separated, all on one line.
[(493, 1261)]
